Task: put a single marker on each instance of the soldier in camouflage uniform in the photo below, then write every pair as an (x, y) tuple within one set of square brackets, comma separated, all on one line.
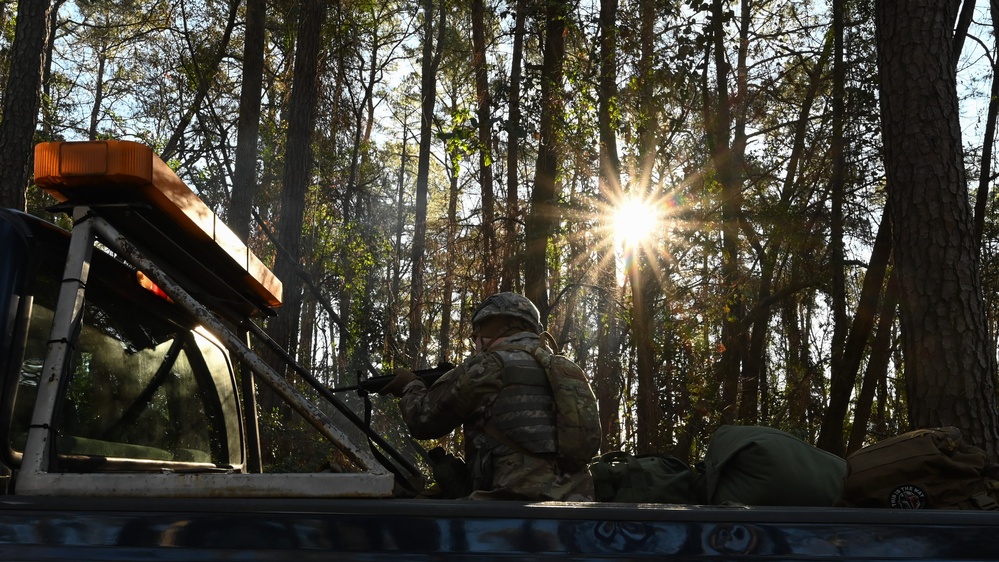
[(503, 399)]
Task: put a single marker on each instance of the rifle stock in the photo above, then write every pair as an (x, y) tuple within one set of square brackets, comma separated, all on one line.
[(375, 384)]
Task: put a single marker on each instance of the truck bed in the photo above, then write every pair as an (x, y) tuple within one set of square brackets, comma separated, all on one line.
[(54, 528)]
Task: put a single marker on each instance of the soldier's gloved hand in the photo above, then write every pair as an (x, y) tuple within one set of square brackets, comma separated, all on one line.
[(403, 377)]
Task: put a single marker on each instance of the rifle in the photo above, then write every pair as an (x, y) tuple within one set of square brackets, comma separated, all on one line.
[(375, 384)]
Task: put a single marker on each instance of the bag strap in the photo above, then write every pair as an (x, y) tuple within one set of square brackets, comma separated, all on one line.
[(633, 477), (604, 482), (546, 366), (638, 478), (983, 500)]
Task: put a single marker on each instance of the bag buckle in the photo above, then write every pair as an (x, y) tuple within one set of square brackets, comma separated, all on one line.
[(984, 502)]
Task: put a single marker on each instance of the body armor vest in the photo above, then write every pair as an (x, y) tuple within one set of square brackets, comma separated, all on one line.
[(524, 410)]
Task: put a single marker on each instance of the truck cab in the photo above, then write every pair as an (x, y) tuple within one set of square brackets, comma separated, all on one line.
[(119, 374), (146, 389)]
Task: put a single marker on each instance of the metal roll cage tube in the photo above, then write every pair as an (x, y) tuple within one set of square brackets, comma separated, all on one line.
[(309, 411)]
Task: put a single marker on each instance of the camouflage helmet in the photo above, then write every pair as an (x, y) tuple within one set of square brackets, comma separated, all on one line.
[(508, 304)]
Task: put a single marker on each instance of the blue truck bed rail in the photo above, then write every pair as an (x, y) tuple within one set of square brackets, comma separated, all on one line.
[(33, 528)]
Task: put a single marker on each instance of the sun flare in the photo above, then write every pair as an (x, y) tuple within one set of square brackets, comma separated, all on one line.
[(634, 222)]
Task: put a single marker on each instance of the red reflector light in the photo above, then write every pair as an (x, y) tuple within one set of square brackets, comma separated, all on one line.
[(146, 283)]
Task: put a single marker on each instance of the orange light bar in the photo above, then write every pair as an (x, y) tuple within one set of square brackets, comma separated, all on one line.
[(110, 172)]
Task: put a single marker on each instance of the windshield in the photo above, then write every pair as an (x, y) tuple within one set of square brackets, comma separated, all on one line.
[(141, 385)]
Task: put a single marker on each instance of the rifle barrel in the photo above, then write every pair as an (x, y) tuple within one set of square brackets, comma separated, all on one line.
[(375, 384)]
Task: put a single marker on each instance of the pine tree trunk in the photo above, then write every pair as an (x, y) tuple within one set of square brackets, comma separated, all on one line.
[(298, 170), (607, 382), (719, 121), (21, 100), (483, 99), (511, 265), (431, 60), (543, 214), (244, 180), (949, 360)]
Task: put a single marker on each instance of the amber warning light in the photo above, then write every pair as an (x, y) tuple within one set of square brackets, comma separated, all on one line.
[(128, 173)]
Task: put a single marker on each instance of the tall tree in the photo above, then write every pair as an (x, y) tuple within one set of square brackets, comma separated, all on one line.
[(48, 113), (511, 277), (607, 380), (21, 100), (988, 138), (749, 380), (949, 361), (543, 213), (719, 123), (642, 280), (841, 380), (298, 168), (483, 99), (244, 181), (432, 52)]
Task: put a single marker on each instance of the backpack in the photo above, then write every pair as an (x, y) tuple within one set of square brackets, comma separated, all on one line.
[(621, 477), (754, 465), (577, 422), (922, 469)]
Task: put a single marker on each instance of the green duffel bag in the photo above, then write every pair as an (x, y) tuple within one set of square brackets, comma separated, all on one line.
[(621, 477), (754, 465)]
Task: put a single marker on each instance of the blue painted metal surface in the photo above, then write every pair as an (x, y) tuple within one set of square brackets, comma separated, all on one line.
[(232, 529)]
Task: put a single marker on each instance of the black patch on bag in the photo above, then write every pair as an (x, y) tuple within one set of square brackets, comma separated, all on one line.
[(908, 496)]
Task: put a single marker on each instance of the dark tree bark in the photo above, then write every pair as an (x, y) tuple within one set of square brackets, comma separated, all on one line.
[(543, 214), (511, 265), (428, 89), (877, 367), (643, 282), (482, 100), (21, 100), (720, 145), (298, 168), (949, 360), (831, 437), (749, 385), (48, 115), (244, 180), (607, 382)]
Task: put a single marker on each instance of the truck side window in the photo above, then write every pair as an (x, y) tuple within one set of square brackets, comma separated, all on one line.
[(141, 385), (149, 403)]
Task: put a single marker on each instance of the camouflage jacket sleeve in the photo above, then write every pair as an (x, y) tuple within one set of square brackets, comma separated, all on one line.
[(457, 397)]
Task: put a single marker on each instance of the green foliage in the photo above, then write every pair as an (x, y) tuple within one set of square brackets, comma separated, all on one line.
[(289, 444)]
